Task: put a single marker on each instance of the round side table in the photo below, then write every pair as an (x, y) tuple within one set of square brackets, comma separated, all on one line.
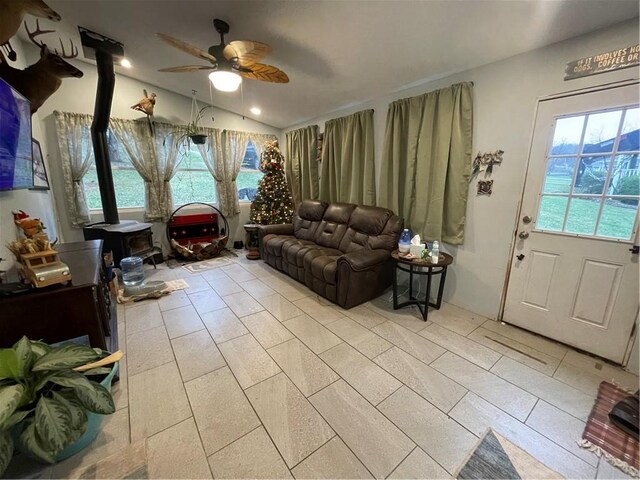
[(420, 267), (252, 242)]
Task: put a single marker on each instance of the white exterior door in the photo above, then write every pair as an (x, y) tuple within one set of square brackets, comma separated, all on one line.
[(574, 276)]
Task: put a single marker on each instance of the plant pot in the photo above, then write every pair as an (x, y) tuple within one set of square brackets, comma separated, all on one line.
[(198, 139), (94, 421)]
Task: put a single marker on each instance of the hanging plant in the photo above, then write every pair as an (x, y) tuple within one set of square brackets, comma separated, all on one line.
[(193, 130)]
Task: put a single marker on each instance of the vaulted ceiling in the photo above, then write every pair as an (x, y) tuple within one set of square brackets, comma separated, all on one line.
[(336, 53)]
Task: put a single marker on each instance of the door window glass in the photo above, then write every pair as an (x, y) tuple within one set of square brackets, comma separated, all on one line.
[(592, 177)]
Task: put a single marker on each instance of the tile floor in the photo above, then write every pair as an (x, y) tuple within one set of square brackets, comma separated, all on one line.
[(248, 374)]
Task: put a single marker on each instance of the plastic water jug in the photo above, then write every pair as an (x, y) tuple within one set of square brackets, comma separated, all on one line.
[(404, 244), (132, 271)]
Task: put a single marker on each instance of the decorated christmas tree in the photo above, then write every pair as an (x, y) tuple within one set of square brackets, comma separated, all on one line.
[(272, 203)]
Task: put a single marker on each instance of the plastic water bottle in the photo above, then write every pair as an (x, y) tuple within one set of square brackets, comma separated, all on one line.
[(435, 252), (404, 244), (132, 271)]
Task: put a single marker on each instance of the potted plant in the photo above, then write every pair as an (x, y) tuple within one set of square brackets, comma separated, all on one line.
[(193, 130), (52, 399)]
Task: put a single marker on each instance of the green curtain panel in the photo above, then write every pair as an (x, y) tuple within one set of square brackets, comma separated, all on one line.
[(426, 161), (301, 163), (347, 171)]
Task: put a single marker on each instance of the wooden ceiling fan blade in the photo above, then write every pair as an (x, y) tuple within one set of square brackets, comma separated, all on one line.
[(265, 73), (186, 47), (188, 68), (247, 52)]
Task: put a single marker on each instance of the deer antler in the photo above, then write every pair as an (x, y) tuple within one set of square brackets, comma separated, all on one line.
[(35, 33), (63, 54)]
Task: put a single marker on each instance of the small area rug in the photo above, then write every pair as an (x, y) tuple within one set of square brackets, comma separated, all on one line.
[(496, 457), (203, 265), (172, 286), (603, 438)]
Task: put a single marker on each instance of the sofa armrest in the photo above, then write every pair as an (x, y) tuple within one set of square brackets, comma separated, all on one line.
[(280, 229), (365, 259)]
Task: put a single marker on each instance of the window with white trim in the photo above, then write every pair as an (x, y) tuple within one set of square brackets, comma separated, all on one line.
[(250, 175), (592, 179), (192, 181)]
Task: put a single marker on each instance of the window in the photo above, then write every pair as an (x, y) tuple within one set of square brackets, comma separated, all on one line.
[(192, 182), (127, 182), (592, 179), (250, 175)]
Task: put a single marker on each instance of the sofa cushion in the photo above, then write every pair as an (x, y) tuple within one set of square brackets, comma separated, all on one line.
[(322, 264), (307, 218), (365, 225), (272, 244), (294, 249), (333, 225)]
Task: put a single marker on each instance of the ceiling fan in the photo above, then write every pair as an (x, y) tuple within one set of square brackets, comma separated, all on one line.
[(229, 62)]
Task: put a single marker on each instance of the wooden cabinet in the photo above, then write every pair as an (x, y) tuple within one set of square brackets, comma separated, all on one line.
[(61, 312)]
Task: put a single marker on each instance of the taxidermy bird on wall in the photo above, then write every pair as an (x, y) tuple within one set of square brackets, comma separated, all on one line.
[(146, 104), (11, 14), (39, 81)]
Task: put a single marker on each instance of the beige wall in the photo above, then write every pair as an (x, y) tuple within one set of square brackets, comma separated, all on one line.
[(505, 96)]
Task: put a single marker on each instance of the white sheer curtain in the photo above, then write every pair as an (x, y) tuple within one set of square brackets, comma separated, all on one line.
[(168, 158), (211, 154), (259, 141), (76, 152), (234, 148)]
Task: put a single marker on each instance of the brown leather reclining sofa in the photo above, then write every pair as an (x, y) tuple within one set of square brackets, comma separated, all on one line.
[(341, 251)]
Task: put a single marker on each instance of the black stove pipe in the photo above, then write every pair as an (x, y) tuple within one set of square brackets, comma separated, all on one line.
[(102, 112)]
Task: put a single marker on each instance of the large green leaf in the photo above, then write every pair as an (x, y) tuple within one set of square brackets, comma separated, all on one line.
[(15, 418), (9, 399), (39, 348), (34, 444), (24, 356), (53, 423), (78, 414), (6, 451), (69, 356), (97, 400), (98, 371), (70, 379), (9, 363)]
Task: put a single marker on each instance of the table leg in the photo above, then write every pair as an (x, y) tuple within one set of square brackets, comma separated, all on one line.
[(428, 294), (395, 287), (443, 275), (410, 282)]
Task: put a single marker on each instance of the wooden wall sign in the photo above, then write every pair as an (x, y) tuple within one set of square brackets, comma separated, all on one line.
[(603, 62)]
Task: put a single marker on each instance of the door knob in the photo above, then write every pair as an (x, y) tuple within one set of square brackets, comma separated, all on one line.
[(526, 219), (635, 249), (520, 257), (523, 235)]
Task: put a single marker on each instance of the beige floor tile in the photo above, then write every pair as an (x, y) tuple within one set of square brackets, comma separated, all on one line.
[(181, 321), (252, 456), (237, 273), (220, 408), (120, 389), (418, 465), (606, 471), (148, 349), (223, 285), (177, 453), (223, 325), (312, 334), (302, 366), (242, 304), (157, 400), (536, 342), (128, 462), (332, 460), (280, 307), (206, 301), (492, 388), (113, 436), (577, 378), (197, 283), (477, 415), (248, 361), (602, 369), (196, 354), (371, 381), (549, 389), (176, 299), (266, 328), (320, 309), (437, 388), (408, 317), (258, 269), (444, 440), (522, 353), (257, 289), (364, 316), (410, 342), (142, 316), (377, 443), (456, 319), (472, 351), (359, 337), (213, 274), (293, 424), (561, 428)]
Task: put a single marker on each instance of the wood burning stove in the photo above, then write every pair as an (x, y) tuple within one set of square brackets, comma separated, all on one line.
[(125, 239)]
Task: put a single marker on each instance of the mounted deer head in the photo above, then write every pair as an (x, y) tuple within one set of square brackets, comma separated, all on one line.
[(40, 80), (12, 13)]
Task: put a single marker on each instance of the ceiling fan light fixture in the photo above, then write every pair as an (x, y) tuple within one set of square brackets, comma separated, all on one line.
[(225, 81)]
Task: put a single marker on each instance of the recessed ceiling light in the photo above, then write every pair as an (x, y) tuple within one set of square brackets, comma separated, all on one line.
[(256, 111), (125, 63)]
